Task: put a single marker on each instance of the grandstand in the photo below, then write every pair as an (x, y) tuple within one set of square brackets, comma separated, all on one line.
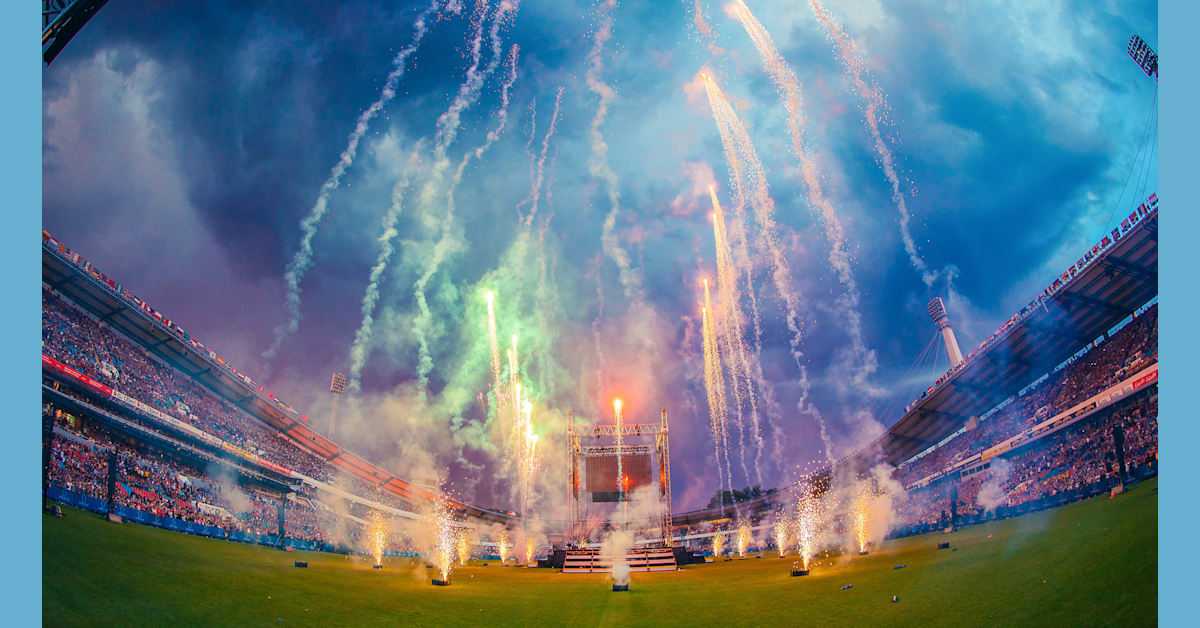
[(1047, 393), (124, 385)]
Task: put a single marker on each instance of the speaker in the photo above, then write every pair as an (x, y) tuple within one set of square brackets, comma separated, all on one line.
[(301, 564)]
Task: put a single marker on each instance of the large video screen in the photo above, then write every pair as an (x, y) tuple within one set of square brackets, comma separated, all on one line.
[(602, 475)]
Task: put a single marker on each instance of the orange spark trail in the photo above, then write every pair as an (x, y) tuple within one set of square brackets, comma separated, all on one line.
[(873, 99), (744, 164), (719, 337), (714, 386), (863, 361), (729, 329)]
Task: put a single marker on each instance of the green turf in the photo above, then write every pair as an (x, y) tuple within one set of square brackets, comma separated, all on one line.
[(1089, 564)]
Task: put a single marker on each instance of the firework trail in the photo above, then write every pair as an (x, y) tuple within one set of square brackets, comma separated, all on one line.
[(447, 130), (513, 399), (744, 164), (737, 241), (714, 387), (729, 329), (719, 369), (618, 419), (493, 345), (874, 106), (362, 338), (539, 175), (863, 359), (598, 164), (302, 260), (446, 244)]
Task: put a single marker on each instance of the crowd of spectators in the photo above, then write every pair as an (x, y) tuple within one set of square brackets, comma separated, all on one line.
[(1076, 462), (87, 345), (151, 481), (1070, 462), (1132, 347)]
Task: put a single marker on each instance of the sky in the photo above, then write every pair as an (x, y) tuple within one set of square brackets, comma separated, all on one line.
[(185, 143)]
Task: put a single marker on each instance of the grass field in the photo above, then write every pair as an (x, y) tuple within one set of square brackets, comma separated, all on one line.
[(1089, 564)]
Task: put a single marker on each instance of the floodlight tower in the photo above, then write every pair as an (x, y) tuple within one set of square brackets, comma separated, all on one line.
[(337, 388), (937, 311)]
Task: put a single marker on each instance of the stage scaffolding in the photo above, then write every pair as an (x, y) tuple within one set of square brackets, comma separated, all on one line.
[(609, 440)]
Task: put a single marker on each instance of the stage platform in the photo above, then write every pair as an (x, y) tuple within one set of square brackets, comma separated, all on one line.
[(640, 560)]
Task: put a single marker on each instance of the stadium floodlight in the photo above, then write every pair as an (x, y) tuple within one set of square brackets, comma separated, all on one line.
[(937, 311), (337, 383), (1143, 55), (337, 388)]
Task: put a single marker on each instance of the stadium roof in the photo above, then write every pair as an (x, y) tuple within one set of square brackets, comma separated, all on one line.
[(1110, 286)]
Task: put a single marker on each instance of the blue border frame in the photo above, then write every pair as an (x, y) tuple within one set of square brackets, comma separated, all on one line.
[(1178, 510), (21, 180)]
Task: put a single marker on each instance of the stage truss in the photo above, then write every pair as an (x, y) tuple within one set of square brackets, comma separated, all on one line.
[(609, 440)]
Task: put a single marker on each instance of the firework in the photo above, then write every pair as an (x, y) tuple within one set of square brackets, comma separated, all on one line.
[(875, 107), (860, 525), (529, 548), (728, 322), (781, 537), (744, 538), (718, 544), (808, 519), (504, 545), (377, 537), (619, 419), (303, 258), (444, 546), (744, 163), (714, 387), (463, 548), (493, 343), (839, 259), (598, 164)]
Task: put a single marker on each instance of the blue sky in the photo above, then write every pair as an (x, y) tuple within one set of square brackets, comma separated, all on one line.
[(184, 143)]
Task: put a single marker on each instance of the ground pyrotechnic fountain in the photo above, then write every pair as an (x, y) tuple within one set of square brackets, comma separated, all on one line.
[(781, 537), (744, 537), (463, 547), (503, 546), (860, 525), (718, 545), (444, 545), (807, 523), (377, 532)]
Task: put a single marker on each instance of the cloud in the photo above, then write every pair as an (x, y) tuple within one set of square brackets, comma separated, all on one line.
[(184, 170)]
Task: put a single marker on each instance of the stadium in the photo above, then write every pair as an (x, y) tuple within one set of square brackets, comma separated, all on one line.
[(500, 446)]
